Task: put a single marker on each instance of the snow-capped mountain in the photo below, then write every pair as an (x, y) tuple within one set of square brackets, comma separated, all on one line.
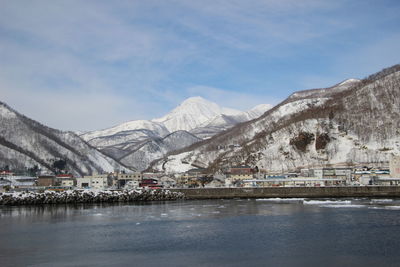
[(25, 143), (192, 113), (200, 117), (354, 122)]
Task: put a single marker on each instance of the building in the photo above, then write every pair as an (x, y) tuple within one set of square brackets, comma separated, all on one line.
[(6, 173), (149, 183), (338, 175), (241, 172), (100, 183), (317, 173), (132, 184), (47, 180), (192, 178), (395, 167), (96, 181), (215, 183), (84, 182), (66, 180), (167, 182), (123, 178), (293, 182)]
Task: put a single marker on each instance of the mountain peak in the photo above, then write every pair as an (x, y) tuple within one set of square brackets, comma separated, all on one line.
[(349, 81), (195, 99), (192, 112)]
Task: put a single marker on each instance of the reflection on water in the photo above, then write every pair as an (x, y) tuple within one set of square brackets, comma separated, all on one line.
[(238, 232)]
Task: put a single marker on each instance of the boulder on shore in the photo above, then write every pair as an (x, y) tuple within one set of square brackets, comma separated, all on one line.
[(86, 196)]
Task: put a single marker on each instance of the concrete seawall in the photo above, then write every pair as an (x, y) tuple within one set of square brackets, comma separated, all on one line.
[(291, 192)]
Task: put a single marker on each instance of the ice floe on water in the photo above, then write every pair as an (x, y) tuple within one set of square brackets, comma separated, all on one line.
[(387, 204), (326, 202), (283, 200), (383, 200), (385, 207), (343, 206)]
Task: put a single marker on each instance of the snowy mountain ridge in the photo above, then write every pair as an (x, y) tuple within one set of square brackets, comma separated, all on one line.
[(195, 118), (25, 143), (353, 122)]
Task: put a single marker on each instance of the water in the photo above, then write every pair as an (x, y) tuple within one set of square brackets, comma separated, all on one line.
[(262, 232)]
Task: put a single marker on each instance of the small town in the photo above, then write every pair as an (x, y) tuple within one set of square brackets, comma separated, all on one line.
[(235, 176)]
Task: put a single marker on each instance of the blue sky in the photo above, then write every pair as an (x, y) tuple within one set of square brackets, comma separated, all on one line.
[(85, 65)]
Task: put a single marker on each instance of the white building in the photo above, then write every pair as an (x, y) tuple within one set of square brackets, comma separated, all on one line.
[(96, 181), (99, 182), (84, 182)]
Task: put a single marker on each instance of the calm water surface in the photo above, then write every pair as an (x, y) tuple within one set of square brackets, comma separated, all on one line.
[(262, 232)]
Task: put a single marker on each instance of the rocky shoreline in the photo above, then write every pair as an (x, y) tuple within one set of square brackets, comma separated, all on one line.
[(86, 196)]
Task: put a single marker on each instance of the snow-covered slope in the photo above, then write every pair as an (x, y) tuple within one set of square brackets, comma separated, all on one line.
[(192, 113), (153, 129), (25, 143), (223, 122), (157, 148), (354, 122)]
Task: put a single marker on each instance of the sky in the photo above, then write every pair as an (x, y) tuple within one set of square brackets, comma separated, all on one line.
[(86, 65)]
